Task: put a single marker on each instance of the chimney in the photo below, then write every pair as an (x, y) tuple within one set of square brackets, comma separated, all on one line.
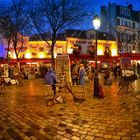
[(130, 6)]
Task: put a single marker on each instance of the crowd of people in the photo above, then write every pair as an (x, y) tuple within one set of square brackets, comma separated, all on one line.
[(80, 73)]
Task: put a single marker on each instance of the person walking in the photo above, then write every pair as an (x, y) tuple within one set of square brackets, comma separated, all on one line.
[(50, 79), (75, 75), (81, 75), (138, 69)]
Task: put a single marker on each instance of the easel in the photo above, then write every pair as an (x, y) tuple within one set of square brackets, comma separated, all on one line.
[(63, 73)]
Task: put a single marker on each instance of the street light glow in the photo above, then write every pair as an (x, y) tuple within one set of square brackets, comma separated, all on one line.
[(96, 22)]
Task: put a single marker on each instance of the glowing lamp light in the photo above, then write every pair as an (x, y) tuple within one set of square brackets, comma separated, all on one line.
[(114, 52), (70, 50), (9, 52), (99, 52), (133, 51), (55, 55), (28, 55), (41, 55), (96, 22), (14, 56)]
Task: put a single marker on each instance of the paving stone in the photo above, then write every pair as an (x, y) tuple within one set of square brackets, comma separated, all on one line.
[(67, 135), (75, 138), (116, 137), (89, 137), (99, 135), (126, 138), (107, 136)]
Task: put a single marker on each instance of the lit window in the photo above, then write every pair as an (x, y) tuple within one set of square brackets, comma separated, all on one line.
[(41, 55), (41, 49), (99, 52), (33, 54), (133, 25), (28, 55), (114, 52)]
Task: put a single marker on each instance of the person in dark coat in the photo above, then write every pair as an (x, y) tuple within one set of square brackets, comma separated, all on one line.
[(81, 74), (50, 79), (138, 69)]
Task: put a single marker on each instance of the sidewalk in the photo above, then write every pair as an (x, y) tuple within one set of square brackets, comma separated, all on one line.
[(26, 116)]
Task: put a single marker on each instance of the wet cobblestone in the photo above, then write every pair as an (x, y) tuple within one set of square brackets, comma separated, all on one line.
[(25, 115)]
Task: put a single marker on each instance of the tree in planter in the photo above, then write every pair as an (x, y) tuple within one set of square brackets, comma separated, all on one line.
[(53, 16)]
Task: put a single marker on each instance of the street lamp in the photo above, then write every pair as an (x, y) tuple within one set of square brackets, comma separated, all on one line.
[(96, 24)]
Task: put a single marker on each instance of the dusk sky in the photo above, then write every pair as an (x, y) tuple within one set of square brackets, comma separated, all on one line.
[(97, 3), (94, 5)]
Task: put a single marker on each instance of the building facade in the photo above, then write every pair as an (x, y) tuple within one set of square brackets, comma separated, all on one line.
[(78, 44), (123, 23)]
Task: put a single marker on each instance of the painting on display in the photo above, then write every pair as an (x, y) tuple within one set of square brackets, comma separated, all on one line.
[(6, 70), (63, 67)]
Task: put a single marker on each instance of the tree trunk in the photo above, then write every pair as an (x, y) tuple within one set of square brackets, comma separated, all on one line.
[(8, 57), (52, 54), (18, 64)]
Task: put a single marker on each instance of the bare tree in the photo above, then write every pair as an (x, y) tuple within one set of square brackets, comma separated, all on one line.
[(14, 18), (53, 16), (127, 41)]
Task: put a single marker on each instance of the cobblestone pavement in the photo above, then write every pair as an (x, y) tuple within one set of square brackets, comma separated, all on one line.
[(24, 115)]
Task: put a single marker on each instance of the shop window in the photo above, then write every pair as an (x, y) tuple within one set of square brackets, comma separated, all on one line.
[(33, 54), (118, 21), (76, 49), (59, 50), (125, 23), (107, 52), (91, 50), (133, 25), (41, 49)]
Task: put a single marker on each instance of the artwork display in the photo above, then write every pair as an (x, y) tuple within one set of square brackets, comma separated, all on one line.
[(6, 70), (63, 68)]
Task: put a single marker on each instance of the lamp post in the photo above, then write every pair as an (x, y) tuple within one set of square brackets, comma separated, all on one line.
[(96, 24)]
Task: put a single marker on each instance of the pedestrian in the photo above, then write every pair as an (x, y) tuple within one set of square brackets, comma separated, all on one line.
[(138, 69), (50, 79), (101, 84), (106, 74), (15, 72), (115, 71), (74, 75), (81, 75), (119, 70)]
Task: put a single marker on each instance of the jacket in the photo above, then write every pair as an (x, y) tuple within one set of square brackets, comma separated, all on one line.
[(50, 77)]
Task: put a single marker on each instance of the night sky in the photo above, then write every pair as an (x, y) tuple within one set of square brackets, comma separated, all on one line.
[(94, 8), (97, 3)]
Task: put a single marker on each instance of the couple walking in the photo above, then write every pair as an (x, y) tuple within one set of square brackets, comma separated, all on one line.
[(78, 75)]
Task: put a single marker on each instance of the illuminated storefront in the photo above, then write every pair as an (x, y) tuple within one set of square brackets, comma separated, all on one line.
[(35, 51), (106, 50)]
